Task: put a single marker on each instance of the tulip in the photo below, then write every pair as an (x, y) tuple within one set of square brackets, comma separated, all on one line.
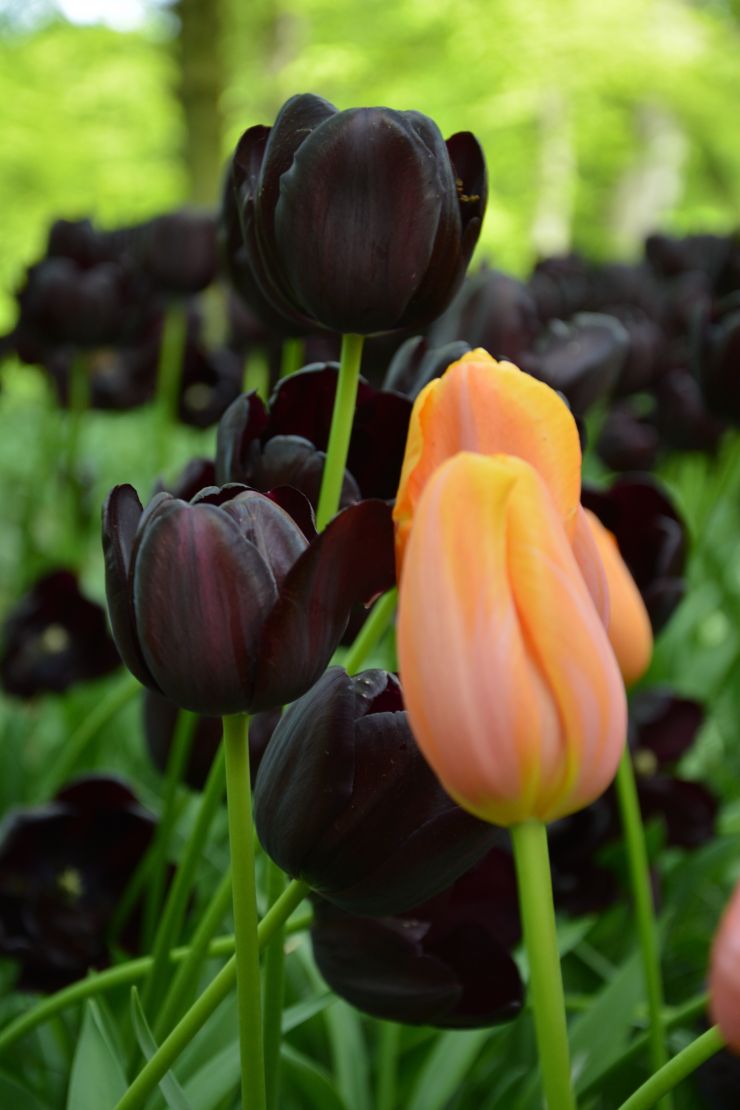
[(490, 408), (223, 604), (492, 310), (512, 688), (363, 220), (345, 801), (630, 632), (582, 358), (717, 355), (724, 974)]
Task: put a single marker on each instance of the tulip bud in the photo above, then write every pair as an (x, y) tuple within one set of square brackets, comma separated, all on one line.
[(724, 974), (629, 628), (511, 685), (345, 801)]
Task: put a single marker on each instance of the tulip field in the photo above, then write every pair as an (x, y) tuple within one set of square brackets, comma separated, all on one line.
[(369, 647)]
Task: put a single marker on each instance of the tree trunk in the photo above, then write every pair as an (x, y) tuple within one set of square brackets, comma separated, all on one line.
[(199, 89)]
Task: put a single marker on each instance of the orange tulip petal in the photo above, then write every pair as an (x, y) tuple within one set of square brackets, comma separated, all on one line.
[(489, 408), (630, 631), (511, 685), (724, 974)]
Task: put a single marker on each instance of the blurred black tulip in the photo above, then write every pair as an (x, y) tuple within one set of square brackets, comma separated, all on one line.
[(581, 358), (345, 801), (177, 251), (493, 311), (444, 963), (63, 867), (717, 357), (651, 538), (681, 417), (160, 723), (416, 363), (362, 221), (628, 440), (581, 883), (54, 637), (223, 604)]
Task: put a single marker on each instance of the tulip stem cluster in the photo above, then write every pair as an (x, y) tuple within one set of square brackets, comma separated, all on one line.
[(531, 856), (239, 802), (639, 871), (341, 429)]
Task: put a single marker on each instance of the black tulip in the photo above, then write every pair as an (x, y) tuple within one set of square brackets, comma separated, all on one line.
[(223, 604), (717, 357), (581, 358), (362, 221), (416, 363), (345, 801), (628, 440), (493, 311)]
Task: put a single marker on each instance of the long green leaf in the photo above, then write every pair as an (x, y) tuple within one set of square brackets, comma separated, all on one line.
[(314, 1082), (97, 1081), (446, 1067), (172, 1092)]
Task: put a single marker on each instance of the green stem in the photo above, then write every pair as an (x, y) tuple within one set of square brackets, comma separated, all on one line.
[(256, 374), (341, 429), (75, 747), (372, 631), (672, 1073), (239, 797), (291, 356), (171, 921), (184, 980), (212, 996), (169, 376), (390, 1033), (176, 764), (122, 975), (639, 871), (274, 991), (78, 404), (546, 984)]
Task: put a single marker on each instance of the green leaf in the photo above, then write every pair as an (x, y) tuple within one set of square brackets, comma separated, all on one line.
[(171, 1090), (598, 1036), (97, 1081), (446, 1067), (14, 1093), (314, 1082), (303, 1011), (349, 1055)]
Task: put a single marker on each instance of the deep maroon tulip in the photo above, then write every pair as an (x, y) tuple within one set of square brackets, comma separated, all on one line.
[(717, 357), (681, 416), (345, 801), (628, 440), (560, 286), (582, 359), (416, 363), (176, 251), (160, 723), (63, 867), (386, 245), (54, 637), (223, 604), (286, 444), (444, 963), (670, 257), (493, 311), (651, 538), (80, 241)]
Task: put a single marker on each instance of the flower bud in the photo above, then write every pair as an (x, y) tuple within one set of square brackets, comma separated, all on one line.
[(724, 974), (512, 688)]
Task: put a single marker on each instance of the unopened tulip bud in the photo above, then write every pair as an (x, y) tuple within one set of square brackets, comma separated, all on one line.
[(724, 974)]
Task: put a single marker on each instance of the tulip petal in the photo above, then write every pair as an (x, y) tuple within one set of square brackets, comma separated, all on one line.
[(490, 408), (237, 438), (511, 686), (349, 562), (724, 974), (194, 571), (122, 513)]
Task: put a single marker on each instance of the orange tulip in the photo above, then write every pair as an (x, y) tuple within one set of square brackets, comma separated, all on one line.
[(724, 974), (513, 692), (489, 408), (628, 624)]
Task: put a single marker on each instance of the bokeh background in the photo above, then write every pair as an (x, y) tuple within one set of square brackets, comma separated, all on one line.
[(600, 122)]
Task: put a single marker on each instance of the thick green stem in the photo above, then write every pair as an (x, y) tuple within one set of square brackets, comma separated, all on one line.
[(372, 631), (168, 930), (213, 995), (274, 983), (76, 746), (239, 797), (291, 356), (639, 871), (342, 417), (546, 984), (185, 978), (176, 764), (390, 1033), (672, 1073)]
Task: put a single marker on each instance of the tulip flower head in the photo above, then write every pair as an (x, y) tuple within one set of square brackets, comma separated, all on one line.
[(724, 974), (512, 688)]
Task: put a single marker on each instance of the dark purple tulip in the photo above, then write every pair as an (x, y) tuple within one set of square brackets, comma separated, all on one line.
[(177, 251), (54, 637), (671, 257), (223, 604), (345, 801), (651, 538), (628, 440), (63, 867), (416, 363), (717, 357), (681, 416), (387, 244), (160, 723), (582, 359), (444, 963), (493, 311), (196, 475), (560, 286), (581, 884), (80, 241)]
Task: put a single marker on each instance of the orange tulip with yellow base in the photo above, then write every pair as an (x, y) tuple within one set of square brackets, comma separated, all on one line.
[(512, 688)]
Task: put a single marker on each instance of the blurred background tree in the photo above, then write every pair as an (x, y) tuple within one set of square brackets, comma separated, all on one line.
[(600, 121)]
